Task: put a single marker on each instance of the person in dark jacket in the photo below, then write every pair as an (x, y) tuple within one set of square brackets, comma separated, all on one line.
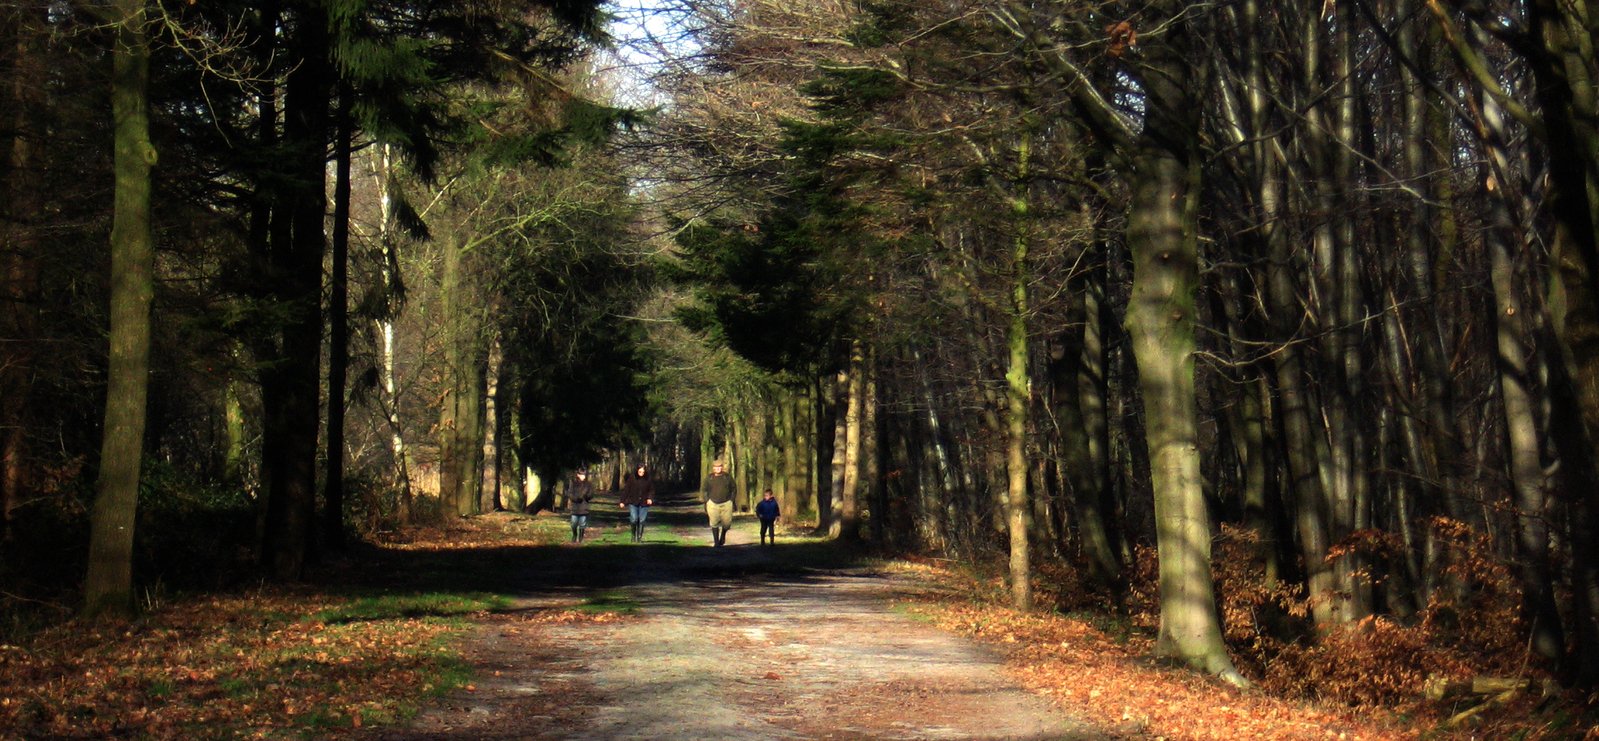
[(766, 512), (717, 492), (638, 494), (578, 497)]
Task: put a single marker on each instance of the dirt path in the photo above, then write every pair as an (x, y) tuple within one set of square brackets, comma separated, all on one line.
[(726, 643)]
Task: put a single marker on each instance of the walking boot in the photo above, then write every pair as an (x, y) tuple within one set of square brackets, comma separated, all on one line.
[(580, 532), (641, 532), (574, 533)]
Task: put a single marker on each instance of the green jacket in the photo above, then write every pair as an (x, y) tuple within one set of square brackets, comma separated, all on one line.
[(718, 488)]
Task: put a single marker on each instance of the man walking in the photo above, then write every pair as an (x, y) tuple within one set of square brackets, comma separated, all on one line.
[(718, 494)]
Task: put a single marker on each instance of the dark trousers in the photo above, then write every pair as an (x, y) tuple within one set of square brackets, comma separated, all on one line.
[(768, 527)]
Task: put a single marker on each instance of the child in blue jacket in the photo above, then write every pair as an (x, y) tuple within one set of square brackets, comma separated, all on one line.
[(766, 510)]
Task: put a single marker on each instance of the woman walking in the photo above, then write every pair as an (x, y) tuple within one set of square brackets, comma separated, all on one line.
[(578, 497), (638, 494)]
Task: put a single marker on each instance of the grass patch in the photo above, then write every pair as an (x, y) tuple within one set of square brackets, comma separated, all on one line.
[(912, 612), (392, 606), (609, 602), (160, 688)]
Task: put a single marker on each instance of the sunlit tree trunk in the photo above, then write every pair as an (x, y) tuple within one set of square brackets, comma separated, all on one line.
[(1018, 396), (847, 522), (871, 489), (1506, 175), (1162, 236), (387, 184), (1570, 105), (490, 455), (936, 506), (108, 588)]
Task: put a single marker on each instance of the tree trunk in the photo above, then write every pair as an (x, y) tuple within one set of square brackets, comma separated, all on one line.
[(338, 324), (1161, 234), (1018, 397), (847, 524), (490, 454), (1527, 477), (291, 388), (871, 489), (1570, 106), (824, 397), (460, 424), (469, 429), (794, 456), (388, 185), (1087, 437), (108, 588)]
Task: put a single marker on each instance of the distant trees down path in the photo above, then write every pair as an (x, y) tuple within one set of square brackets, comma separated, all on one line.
[(1277, 320)]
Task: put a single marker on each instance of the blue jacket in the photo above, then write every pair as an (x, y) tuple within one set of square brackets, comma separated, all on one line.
[(766, 509)]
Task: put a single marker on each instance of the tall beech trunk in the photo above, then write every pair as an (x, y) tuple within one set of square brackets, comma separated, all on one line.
[(1511, 330), (108, 588), (1521, 434), (1570, 105), (1162, 236), (1017, 395)]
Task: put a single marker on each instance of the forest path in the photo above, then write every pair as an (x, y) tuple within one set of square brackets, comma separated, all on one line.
[(674, 639)]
